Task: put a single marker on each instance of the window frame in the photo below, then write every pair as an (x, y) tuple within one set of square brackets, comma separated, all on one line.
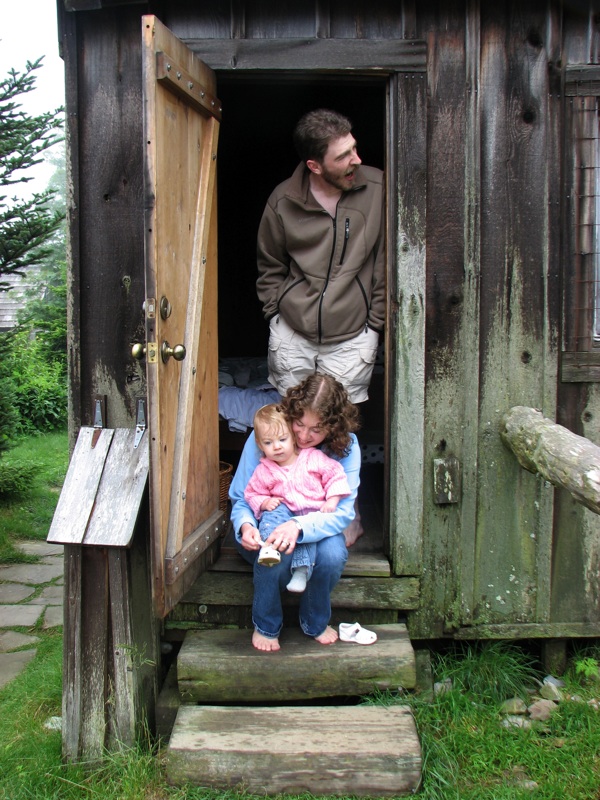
[(580, 358)]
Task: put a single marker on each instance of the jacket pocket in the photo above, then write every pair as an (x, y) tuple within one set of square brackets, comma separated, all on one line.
[(363, 293), (288, 289)]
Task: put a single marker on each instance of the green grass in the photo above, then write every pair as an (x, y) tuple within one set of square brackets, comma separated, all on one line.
[(467, 754), (30, 753), (28, 516)]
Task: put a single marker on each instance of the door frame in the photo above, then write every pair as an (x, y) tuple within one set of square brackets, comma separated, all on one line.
[(403, 65)]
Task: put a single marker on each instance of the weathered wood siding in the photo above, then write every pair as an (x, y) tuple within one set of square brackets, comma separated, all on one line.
[(477, 208), (493, 305), (491, 309), (110, 637), (102, 52), (576, 554)]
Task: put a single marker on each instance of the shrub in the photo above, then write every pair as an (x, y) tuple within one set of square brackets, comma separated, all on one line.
[(41, 398), (9, 416), (39, 384), (16, 477)]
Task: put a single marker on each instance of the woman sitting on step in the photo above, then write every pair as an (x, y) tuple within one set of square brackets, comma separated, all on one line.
[(320, 415)]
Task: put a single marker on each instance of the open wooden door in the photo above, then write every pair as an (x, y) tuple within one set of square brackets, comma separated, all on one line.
[(181, 125)]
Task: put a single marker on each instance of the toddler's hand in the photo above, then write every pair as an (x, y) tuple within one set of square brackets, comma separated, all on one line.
[(271, 504)]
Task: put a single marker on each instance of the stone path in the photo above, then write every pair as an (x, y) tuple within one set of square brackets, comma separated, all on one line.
[(28, 593)]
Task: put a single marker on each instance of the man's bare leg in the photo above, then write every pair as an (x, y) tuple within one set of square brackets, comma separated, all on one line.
[(329, 636), (265, 643)]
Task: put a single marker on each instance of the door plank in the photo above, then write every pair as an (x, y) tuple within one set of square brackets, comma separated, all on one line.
[(181, 133), (195, 309)]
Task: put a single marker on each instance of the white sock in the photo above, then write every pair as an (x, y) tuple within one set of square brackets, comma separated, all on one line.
[(299, 580)]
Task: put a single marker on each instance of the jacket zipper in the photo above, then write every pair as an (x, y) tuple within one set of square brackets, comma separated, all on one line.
[(320, 326), (346, 237)]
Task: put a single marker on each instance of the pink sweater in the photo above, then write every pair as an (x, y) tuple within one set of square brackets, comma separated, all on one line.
[(304, 486)]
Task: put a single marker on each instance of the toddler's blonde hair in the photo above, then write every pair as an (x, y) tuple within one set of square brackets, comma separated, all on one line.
[(269, 421)]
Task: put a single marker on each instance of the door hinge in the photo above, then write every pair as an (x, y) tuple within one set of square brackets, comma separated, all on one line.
[(140, 422), (100, 411)]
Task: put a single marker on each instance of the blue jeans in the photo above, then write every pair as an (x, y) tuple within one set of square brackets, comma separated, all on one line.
[(304, 554), (315, 601)]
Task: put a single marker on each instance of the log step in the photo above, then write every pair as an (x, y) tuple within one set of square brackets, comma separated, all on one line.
[(221, 666), (343, 751)]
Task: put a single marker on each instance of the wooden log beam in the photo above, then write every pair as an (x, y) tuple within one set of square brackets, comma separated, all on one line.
[(219, 666), (560, 456), (338, 751)]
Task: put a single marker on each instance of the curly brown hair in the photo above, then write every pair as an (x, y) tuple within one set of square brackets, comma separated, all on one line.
[(328, 400)]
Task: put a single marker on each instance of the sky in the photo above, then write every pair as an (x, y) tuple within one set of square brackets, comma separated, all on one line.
[(27, 31)]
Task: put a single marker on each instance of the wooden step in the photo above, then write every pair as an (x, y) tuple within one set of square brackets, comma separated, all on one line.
[(218, 666), (222, 597), (218, 597), (362, 751), (236, 589), (367, 565)]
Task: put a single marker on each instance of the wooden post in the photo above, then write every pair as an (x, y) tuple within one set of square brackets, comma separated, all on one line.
[(111, 639), (561, 457)]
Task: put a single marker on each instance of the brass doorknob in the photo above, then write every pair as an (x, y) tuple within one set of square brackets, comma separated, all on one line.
[(177, 352), (138, 351)]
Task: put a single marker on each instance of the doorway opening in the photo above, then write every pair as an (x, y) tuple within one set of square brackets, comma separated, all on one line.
[(255, 154)]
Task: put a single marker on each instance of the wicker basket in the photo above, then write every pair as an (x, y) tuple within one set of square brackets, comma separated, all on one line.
[(225, 474)]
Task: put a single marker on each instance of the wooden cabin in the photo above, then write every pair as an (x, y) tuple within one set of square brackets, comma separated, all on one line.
[(484, 117)]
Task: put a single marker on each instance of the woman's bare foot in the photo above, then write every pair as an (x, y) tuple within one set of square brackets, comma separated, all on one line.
[(329, 636), (265, 642), (353, 532)]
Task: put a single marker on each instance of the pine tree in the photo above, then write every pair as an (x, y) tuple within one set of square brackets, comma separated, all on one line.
[(31, 235), (44, 316), (26, 225)]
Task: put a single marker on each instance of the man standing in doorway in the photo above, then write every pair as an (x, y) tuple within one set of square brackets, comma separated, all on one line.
[(321, 260)]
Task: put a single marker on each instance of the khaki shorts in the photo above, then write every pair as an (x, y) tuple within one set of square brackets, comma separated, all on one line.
[(292, 358)]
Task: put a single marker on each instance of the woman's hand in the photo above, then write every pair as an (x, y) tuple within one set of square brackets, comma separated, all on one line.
[(284, 537), (250, 537)]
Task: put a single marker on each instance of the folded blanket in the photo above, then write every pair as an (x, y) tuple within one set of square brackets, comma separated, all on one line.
[(246, 372), (238, 406)]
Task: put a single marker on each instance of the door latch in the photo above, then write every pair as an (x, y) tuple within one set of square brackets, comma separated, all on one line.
[(150, 351)]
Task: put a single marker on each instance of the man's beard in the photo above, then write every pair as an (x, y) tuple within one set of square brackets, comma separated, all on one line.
[(340, 182)]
